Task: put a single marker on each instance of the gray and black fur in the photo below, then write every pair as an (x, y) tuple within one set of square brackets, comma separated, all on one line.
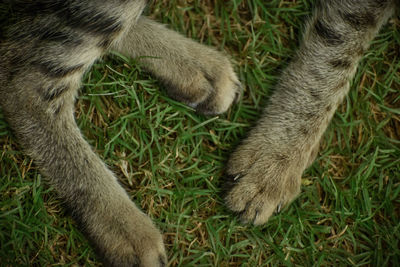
[(264, 173), (46, 47)]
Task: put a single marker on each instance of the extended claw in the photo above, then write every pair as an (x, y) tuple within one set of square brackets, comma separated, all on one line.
[(278, 208)]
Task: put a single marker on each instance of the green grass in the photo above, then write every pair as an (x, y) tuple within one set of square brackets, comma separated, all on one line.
[(171, 159)]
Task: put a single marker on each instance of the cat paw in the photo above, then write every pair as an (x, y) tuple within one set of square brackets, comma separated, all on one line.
[(146, 251), (127, 237), (260, 181), (207, 83)]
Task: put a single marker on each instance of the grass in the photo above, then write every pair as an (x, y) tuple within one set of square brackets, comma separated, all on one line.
[(171, 159)]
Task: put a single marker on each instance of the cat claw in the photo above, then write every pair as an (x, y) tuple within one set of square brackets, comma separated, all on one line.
[(279, 208)]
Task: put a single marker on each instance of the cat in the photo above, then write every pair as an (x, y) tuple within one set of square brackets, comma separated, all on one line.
[(45, 49), (48, 45)]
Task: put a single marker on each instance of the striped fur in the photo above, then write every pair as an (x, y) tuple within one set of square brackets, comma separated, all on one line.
[(46, 47), (264, 173)]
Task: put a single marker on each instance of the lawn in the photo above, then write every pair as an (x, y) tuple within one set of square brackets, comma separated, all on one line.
[(171, 159)]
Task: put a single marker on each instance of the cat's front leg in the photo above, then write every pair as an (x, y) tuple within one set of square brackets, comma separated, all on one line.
[(264, 173), (40, 75), (121, 233), (195, 74)]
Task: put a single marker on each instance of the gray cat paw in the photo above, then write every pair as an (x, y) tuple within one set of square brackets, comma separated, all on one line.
[(125, 236), (210, 87), (260, 181)]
